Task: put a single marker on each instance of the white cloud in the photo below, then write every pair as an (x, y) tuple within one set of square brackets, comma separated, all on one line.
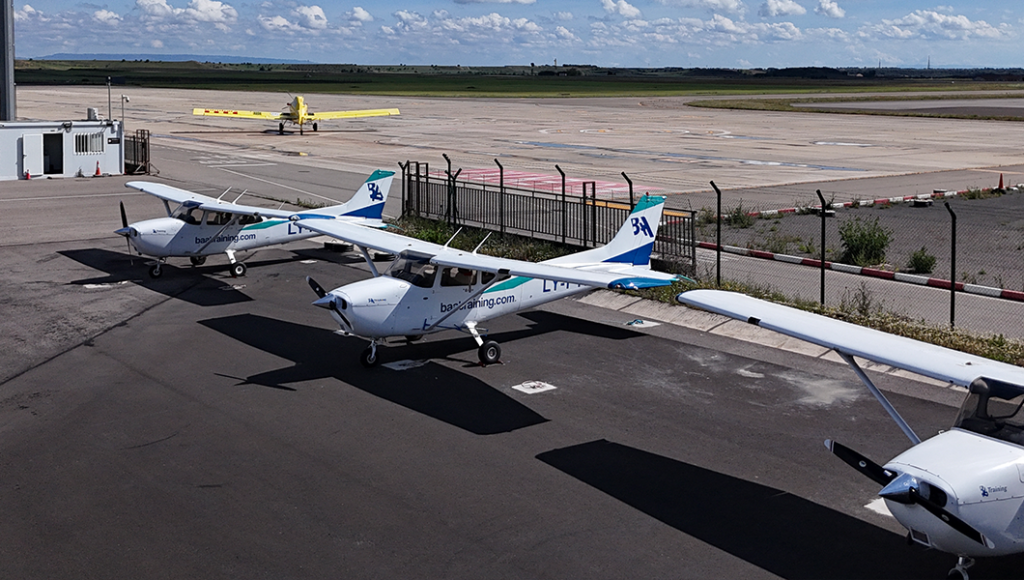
[(156, 43), (311, 17), (277, 24), (196, 11), (928, 24), (361, 15), (772, 8), (495, 1), (729, 6), (565, 34), (563, 16), (829, 8), (106, 17), (29, 13), (622, 8)]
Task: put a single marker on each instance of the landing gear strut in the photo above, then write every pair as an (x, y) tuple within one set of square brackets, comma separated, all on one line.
[(489, 352), (280, 128), (237, 268), (369, 356), (959, 572), (155, 271)]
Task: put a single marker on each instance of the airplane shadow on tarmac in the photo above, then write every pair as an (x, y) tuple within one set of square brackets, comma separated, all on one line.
[(432, 389), (196, 285), (774, 530)]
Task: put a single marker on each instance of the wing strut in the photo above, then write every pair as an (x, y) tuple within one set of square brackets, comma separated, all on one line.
[(881, 398), (369, 262), (500, 277)]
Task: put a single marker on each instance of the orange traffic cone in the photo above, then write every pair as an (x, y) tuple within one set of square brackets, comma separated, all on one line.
[(98, 169), (1000, 181)]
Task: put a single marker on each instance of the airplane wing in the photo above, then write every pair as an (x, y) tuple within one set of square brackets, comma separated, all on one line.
[(627, 277), (190, 199), (919, 357), (351, 114), (242, 114)]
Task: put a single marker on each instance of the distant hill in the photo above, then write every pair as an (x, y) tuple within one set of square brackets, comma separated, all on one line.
[(175, 58)]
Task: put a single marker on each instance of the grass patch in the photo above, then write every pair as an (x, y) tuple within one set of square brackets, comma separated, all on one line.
[(821, 104)]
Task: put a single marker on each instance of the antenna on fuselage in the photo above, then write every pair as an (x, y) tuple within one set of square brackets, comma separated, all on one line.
[(452, 238), (482, 242)]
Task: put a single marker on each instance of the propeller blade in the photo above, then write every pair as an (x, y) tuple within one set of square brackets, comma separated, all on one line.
[(124, 217), (876, 472), (320, 292), (953, 521)]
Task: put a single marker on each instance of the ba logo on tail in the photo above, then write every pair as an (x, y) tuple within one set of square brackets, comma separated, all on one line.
[(375, 193), (640, 225)]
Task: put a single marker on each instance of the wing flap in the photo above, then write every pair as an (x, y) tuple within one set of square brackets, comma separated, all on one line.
[(236, 113), (925, 359), (352, 114)]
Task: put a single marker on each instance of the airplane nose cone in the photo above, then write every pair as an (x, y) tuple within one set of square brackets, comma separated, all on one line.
[(127, 231)]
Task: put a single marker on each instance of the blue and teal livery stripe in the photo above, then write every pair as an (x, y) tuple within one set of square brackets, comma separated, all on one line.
[(379, 174), (640, 256), (637, 283), (262, 225), (648, 201), (508, 284), (374, 211)]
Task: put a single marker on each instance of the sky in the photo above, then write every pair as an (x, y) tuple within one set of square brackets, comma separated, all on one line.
[(620, 33)]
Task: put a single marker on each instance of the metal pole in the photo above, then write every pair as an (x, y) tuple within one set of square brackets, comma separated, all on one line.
[(501, 197), (952, 269), (718, 237), (110, 112), (448, 206), (8, 108), (405, 175), (824, 208), (630, 182), (564, 208)]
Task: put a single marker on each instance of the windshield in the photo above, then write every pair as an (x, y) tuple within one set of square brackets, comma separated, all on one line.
[(415, 270), (993, 408)]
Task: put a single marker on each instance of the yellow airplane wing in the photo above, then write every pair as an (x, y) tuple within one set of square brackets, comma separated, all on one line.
[(351, 114), (242, 114)]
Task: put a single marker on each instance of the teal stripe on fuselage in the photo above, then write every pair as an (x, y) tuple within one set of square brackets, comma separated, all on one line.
[(263, 225), (512, 282)]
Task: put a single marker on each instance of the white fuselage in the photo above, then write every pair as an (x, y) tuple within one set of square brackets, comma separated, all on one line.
[(983, 478), (385, 306), (173, 237)]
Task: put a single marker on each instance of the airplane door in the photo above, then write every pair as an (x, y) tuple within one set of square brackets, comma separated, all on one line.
[(32, 154)]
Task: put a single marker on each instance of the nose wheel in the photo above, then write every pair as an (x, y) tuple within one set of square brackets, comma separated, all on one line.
[(237, 270), (959, 572), (489, 352), (156, 271), (369, 356)]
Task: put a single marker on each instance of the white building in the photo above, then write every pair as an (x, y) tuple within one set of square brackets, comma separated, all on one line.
[(60, 148)]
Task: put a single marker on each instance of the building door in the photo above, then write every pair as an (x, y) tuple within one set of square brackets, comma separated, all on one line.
[(53, 153), (32, 154)]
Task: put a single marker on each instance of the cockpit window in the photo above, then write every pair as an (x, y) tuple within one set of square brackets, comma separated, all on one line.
[(217, 218), (415, 270), (189, 215), (993, 408), (457, 277)]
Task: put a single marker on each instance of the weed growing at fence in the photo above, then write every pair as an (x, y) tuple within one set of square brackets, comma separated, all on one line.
[(739, 217), (921, 262), (864, 242)]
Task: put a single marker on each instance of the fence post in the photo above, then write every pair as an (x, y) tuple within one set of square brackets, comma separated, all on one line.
[(501, 197), (630, 182), (824, 212), (718, 238), (565, 209), (405, 176), (952, 268), (593, 212)]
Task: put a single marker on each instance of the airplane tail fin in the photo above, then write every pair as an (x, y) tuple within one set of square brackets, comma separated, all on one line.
[(368, 201), (633, 243)]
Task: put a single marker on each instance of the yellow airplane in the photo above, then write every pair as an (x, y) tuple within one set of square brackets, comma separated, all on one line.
[(297, 113)]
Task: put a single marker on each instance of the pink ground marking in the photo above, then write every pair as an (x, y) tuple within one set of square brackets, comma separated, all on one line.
[(548, 183)]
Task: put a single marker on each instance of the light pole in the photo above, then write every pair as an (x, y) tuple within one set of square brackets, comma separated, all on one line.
[(124, 99), (109, 112)]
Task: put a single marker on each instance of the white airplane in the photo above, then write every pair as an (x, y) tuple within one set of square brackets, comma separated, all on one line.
[(201, 226), (429, 288), (961, 491)]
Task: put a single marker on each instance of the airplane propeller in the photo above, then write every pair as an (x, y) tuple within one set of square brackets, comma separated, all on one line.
[(325, 301), (126, 231), (318, 289), (904, 489)]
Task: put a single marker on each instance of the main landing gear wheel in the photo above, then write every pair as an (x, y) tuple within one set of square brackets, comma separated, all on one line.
[(280, 128), (413, 337), (237, 269), (369, 357), (156, 271), (197, 260), (489, 352), (314, 127)]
